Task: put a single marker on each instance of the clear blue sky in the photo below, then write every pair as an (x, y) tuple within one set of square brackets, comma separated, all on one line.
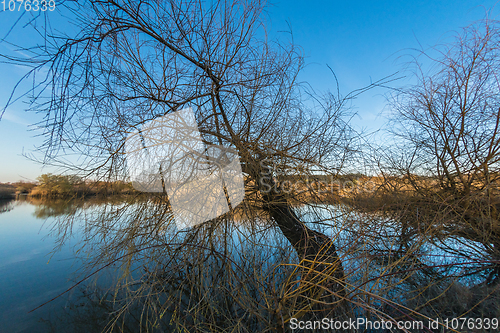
[(360, 40)]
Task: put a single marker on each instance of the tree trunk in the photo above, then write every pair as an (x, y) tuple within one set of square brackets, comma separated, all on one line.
[(321, 292)]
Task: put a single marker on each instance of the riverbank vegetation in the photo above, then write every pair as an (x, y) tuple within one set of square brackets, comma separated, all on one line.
[(64, 186), (7, 191), (303, 188)]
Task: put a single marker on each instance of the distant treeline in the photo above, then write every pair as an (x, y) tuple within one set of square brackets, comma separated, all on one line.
[(56, 186), (60, 186), (7, 191)]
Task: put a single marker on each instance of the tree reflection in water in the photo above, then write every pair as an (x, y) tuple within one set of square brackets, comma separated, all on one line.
[(228, 272), (6, 205), (239, 272)]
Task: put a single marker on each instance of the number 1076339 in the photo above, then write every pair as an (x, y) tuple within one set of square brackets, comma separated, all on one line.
[(27, 5)]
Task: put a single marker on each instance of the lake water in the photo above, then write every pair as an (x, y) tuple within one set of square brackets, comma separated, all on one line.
[(29, 273), (42, 254), (41, 260)]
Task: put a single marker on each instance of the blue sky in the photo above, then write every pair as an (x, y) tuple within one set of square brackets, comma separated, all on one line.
[(362, 41)]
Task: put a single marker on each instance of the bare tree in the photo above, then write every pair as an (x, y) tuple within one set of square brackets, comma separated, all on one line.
[(449, 126)]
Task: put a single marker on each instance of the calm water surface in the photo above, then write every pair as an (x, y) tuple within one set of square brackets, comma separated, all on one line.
[(30, 272), (34, 267)]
